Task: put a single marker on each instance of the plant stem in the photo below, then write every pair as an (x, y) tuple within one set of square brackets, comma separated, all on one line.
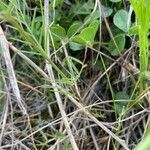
[(142, 11)]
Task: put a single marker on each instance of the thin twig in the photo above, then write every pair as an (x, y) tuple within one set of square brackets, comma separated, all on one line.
[(12, 77), (51, 75)]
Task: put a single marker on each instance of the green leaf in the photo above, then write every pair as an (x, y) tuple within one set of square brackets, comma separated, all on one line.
[(67, 2), (107, 11), (38, 19), (120, 104), (121, 95), (73, 29), (3, 6), (144, 144), (87, 35), (115, 1), (58, 32), (134, 30), (120, 42), (94, 16), (83, 8), (94, 24), (58, 135), (120, 19), (75, 46)]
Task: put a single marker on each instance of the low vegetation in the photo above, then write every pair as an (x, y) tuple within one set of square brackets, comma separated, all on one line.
[(74, 74)]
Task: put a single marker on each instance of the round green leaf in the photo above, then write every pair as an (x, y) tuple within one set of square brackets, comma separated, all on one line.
[(120, 19), (107, 11), (120, 42), (121, 95), (120, 104)]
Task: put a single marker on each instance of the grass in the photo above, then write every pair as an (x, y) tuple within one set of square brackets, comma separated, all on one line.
[(142, 11), (81, 86)]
